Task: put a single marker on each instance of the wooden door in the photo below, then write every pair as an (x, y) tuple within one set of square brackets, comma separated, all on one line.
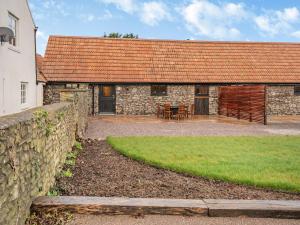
[(201, 100), (107, 99)]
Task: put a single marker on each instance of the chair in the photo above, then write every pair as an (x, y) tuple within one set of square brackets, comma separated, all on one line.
[(168, 114), (181, 112), (160, 111), (191, 111)]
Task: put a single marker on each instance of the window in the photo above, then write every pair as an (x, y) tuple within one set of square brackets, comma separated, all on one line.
[(158, 90), (24, 87), (72, 86), (13, 24), (297, 90), (201, 90), (107, 91)]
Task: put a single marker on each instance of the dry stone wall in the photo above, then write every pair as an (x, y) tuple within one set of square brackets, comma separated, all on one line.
[(33, 147)]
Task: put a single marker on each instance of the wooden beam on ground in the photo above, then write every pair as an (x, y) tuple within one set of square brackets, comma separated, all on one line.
[(253, 208), (121, 206)]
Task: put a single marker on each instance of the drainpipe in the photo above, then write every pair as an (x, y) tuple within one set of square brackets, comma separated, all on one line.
[(36, 72), (93, 100), (35, 30)]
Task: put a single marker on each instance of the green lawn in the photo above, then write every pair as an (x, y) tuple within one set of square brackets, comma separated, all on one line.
[(272, 162)]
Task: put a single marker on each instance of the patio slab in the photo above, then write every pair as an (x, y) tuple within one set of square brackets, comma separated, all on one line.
[(101, 127)]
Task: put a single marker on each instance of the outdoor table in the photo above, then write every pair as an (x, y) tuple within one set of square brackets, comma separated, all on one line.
[(174, 109)]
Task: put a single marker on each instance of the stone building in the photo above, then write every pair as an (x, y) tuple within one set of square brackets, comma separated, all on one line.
[(132, 76)]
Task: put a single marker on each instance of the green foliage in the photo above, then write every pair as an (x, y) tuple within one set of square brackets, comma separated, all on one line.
[(49, 129), (40, 116), (72, 155), (67, 173), (78, 145), (119, 35), (60, 116), (53, 192), (130, 35), (270, 162), (70, 162)]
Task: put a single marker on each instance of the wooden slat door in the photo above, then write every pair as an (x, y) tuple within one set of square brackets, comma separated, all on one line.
[(201, 100)]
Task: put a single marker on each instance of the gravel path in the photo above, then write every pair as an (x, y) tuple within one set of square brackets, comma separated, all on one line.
[(171, 220), (101, 171), (101, 127)]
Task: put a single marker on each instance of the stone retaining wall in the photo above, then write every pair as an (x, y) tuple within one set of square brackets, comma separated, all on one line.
[(281, 100), (33, 147)]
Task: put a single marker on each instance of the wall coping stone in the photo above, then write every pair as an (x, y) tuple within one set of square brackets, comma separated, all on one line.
[(14, 119)]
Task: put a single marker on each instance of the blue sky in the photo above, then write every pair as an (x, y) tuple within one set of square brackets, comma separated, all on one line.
[(234, 20)]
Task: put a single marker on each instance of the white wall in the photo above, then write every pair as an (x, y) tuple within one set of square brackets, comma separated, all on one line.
[(40, 94), (17, 64)]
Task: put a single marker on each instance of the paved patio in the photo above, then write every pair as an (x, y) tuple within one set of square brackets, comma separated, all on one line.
[(102, 126)]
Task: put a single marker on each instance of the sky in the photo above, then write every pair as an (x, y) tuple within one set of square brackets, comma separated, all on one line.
[(218, 20)]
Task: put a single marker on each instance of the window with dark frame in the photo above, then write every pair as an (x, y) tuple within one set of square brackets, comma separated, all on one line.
[(159, 90), (13, 25), (297, 90)]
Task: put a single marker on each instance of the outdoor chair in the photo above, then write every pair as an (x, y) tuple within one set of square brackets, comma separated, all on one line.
[(160, 111), (190, 111), (181, 114), (168, 114)]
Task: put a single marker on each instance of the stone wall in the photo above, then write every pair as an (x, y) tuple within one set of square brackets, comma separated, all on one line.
[(52, 94), (137, 99), (33, 147), (281, 100), (213, 100)]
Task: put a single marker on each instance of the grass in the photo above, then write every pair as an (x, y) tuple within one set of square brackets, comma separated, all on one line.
[(269, 162)]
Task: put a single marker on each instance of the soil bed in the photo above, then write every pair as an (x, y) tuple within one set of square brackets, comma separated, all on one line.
[(101, 171)]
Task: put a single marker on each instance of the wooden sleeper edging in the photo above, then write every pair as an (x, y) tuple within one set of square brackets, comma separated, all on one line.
[(154, 206), (253, 208), (121, 206)]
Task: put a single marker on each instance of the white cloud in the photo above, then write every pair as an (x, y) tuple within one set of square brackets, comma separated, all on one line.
[(235, 10), (288, 14), (90, 17), (215, 21), (41, 35), (128, 6), (296, 34), (42, 39), (272, 23), (154, 12)]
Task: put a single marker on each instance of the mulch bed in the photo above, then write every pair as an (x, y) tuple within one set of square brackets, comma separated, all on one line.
[(101, 171)]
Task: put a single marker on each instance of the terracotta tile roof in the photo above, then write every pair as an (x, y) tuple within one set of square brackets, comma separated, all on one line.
[(87, 59), (40, 75)]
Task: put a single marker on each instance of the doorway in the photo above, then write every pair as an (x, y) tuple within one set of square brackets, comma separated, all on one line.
[(107, 99), (202, 99)]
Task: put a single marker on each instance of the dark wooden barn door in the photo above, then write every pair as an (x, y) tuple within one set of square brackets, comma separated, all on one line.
[(107, 99), (201, 100)]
